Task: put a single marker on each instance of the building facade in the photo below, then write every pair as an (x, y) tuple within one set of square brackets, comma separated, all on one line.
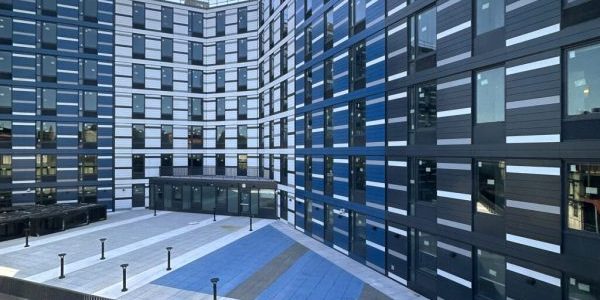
[(450, 145)]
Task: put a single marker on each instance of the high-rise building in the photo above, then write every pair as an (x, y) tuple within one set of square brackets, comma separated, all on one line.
[(451, 145)]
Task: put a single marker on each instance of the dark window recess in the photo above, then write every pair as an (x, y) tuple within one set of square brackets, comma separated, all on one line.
[(138, 136), (328, 78), (166, 108), (328, 176), (139, 46), (242, 137), (425, 258), (328, 127), (358, 177), (195, 164), (307, 130), (6, 30), (424, 182), (88, 135), (307, 172), (583, 289), (308, 86), (197, 53), (5, 65), (166, 49), (48, 102), (47, 7), (90, 10), (139, 76), (166, 136), (358, 12), (357, 122), (45, 196), (90, 40), (6, 99), (197, 21), (242, 165), (220, 137), (220, 109), (328, 40), (242, 108), (583, 197), (5, 134), (242, 50), (88, 167), (220, 23), (196, 109), (308, 43), (138, 108), (490, 187), (242, 20), (48, 68), (195, 137), (166, 78), (579, 11), (48, 35), (138, 166), (139, 15), (242, 79), (307, 8), (166, 20), (491, 275), (422, 40), (46, 134), (220, 81), (358, 67)]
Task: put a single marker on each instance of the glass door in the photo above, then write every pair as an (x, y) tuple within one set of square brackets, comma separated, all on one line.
[(244, 201)]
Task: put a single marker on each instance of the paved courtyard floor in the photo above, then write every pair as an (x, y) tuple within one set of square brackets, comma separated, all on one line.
[(274, 261)]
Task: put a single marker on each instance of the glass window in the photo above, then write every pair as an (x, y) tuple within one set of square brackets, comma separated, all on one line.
[(167, 19), (489, 15), (283, 89), (242, 19), (242, 166), (284, 58), (139, 15), (426, 258), (583, 80), (88, 166), (45, 196), (48, 68), (138, 166), (197, 79), (283, 17), (358, 235), (139, 46), (307, 8), (48, 7), (6, 30), (5, 133), (139, 76), (5, 166), (308, 43), (196, 137), (48, 35), (48, 102), (88, 194), (424, 107), (328, 78), (45, 166), (425, 188), (197, 50), (423, 36), (139, 106), (585, 290), (220, 23), (328, 127), (242, 107), (358, 174), (220, 137), (490, 96), (196, 109), (490, 195), (90, 10), (195, 163), (90, 103), (166, 49), (5, 99), (220, 52), (90, 72), (90, 40), (358, 66), (358, 11), (583, 197), (491, 269), (138, 136), (166, 136), (358, 124), (5, 65), (242, 79), (46, 134), (308, 84), (166, 107), (329, 28), (307, 130), (242, 137), (89, 134), (166, 78), (220, 109), (197, 21), (220, 81), (242, 50)]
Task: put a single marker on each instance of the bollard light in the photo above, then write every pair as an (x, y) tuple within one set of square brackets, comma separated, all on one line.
[(169, 258), (102, 240), (62, 265), (124, 266), (214, 283)]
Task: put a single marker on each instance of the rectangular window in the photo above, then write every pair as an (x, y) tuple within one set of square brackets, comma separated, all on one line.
[(5, 65), (220, 52), (139, 15), (422, 113), (220, 109), (166, 136), (139, 76), (90, 72), (45, 167), (490, 195), (583, 197), (46, 134), (583, 289), (242, 79), (48, 7), (48, 68), (48, 105), (583, 80), (242, 108), (283, 19), (45, 196), (491, 271), (220, 81), (166, 107), (195, 165), (284, 58), (196, 109), (138, 166), (242, 19), (166, 78), (328, 78), (357, 15), (197, 80), (283, 133), (90, 104), (5, 169), (138, 136), (489, 15), (425, 259), (197, 50), (307, 130), (220, 23), (166, 49), (88, 194), (489, 95), (242, 50), (329, 28), (307, 8), (139, 46), (220, 137), (90, 40), (358, 66), (242, 165), (283, 95), (424, 184), (138, 108), (422, 40), (328, 172), (90, 10), (49, 35), (308, 84), (88, 135), (6, 99), (328, 127), (242, 137), (166, 19), (358, 235), (271, 33), (5, 134), (307, 172), (88, 167), (358, 179), (358, 123), (197, 24), (220, 164), (196, 137), (6, 30), (307, 43)]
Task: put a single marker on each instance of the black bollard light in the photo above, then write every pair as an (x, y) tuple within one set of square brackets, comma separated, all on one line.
[(169, 258), (250, 221), (62, 265), (102, 246), (124, 266), (154, 205), (26, 237), (214, 283), (214, 214)]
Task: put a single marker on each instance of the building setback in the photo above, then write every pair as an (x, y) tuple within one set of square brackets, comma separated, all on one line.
[(449, 144)]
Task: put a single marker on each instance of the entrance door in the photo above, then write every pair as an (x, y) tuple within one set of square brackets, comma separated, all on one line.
[(283, 205), (138, 195), (244, 201)]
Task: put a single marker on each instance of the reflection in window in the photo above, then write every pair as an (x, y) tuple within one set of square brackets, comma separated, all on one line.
[(490, 96), (358, 123), (195, 109), (423, 108), (166, 136), (328, 127), (583, 289), (166, 78), (242, 108), (242, 137), (90, 10), (220, 109), (166, 22), (242, 50), (197, 50), (242, 19), (242, 164), (90, 72), (422, 37), (5, 134), (490, 15), (166, 107), (139, 106), (220, 137), (5, 167), (307, 130), (139, 15), (88, 194), (242, 79), (90, 40), (89, 135), (328, 78), (220, 23), (195, 164), (49, 35), (358, 179), (138, 166), (583, 80), (5, 99), (45, 167), (308, 43), (358, 66), (220, 81), (195, 137), (220, 52), (426, 253), (88, 167), (358, 11), (6, 30), (196, 79), (197, 21), (328, 40), (48, 68), (90, 103), (358, 237), (48, 7), (139, 46), (45, 196), (138, 136), (491, 269), (5, 65), (166, 49), (424, 185), (308, 85), (139, 76), (490, 195), (583, 197), (46, 134)]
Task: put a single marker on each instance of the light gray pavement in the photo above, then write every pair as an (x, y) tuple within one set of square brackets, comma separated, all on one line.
[(139, 239)]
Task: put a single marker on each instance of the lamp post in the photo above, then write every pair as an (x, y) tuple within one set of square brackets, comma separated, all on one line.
[(102, 247), (62, 265), (214, 283), (169, 258), (26, 237), (124, 266)]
